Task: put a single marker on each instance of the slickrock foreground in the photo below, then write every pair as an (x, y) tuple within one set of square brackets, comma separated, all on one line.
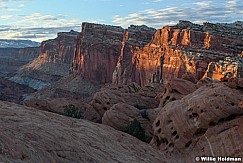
[(29, 135)]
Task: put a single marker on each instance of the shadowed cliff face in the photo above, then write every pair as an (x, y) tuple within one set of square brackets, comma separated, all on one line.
[(11, 59), (97, 51), (101, 49)]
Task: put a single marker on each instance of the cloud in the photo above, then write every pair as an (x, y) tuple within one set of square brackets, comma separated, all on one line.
[(35, 34), (198, 12), (204, 3), (13, 0), (6, 16), (155, 1), (37, 27)]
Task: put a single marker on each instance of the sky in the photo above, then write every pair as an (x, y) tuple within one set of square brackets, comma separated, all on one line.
[(39, 20)]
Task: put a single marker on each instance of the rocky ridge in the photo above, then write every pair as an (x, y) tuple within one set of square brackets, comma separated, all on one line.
[(7, 43), (53, 63), (13, 92)]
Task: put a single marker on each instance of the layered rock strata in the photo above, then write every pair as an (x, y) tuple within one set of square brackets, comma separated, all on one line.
[(142, 55), (189, 48), (104, 49)]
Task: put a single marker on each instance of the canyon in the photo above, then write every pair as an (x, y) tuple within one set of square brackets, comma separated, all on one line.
[(82, 93), (53, 62)]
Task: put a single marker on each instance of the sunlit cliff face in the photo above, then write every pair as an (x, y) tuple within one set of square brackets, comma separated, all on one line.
[(187, 51)]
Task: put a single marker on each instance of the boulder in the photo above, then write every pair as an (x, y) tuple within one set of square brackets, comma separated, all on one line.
[(121, 115), (141, 98)]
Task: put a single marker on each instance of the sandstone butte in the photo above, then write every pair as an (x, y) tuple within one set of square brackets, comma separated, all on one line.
[(141, 54)]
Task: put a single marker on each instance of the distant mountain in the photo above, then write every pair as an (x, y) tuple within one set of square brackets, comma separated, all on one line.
[(4, 43)]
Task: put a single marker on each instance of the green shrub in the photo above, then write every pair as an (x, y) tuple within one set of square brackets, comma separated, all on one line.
[(73, 111), (135, 129), (144, 114)]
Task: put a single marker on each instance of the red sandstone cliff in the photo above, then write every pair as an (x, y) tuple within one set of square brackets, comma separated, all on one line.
[(187, 48), (101, 49), (111, 54), (60, 49)]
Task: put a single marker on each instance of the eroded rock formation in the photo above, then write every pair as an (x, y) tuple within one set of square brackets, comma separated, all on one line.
[(60, 49), (207, 122), (139, 54), (132, 94), (190, 48), (120, 115), (175, 90)]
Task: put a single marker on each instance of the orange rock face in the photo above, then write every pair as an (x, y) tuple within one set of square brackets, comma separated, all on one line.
[(186, 49), (97, 51)]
